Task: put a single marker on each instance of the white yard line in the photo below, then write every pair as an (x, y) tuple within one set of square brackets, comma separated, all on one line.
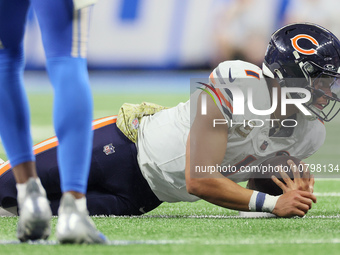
[(327, 179), (110, 242), (327, 194), (253, 241), (212, 217), (273, 241)]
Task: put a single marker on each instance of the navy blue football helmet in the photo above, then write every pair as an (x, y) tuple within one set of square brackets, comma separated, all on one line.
[(301, 55)]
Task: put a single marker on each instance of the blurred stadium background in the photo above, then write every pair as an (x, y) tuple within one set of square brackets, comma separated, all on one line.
[(177, 34)]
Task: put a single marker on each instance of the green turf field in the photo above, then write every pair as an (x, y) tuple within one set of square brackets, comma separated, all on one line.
[(202, 228), (192, 228)]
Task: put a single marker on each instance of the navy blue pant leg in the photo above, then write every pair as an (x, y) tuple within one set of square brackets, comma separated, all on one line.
[(115, 185)]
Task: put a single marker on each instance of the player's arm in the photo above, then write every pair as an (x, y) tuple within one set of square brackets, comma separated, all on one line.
[(206, 146)]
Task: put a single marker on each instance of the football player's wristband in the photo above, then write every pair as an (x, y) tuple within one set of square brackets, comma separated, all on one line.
[(261, 202)]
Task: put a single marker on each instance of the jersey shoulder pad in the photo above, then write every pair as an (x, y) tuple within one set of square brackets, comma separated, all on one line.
[(234, 71)]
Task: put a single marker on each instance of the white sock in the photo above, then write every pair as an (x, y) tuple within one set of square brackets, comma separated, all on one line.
[(81, 204), (21, 188)]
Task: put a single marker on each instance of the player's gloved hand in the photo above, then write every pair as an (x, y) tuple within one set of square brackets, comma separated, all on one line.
[(304, 182), (294, 203)]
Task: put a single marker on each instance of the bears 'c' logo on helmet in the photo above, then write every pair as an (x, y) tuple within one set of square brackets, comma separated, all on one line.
[(296, 46)]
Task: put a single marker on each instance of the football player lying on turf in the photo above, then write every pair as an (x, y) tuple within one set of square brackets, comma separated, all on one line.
[(149, 155)]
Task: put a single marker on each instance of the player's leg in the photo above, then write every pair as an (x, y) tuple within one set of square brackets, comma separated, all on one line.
[(120, 188), (64, 32), (14, 107), (14, 125), (115, 185)]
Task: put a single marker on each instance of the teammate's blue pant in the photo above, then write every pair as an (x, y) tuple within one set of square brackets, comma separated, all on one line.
[(64, 34)]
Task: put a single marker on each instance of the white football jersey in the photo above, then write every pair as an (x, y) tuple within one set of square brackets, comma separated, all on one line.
[(162, 137)]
